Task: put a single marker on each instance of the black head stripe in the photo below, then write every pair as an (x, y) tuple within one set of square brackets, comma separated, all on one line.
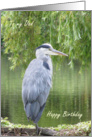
[(43, 46)]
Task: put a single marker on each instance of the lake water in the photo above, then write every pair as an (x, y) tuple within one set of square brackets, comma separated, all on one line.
[(69, 101)]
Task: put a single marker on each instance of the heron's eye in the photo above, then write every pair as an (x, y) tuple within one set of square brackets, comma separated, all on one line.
[(50, 49)]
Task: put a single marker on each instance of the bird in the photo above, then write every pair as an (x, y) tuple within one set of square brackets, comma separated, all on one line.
[(37, 82)]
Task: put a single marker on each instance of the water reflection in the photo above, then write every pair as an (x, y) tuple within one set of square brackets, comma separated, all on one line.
[(71, 93)]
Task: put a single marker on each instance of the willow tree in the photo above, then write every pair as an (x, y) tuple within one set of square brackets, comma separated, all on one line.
[(67, 31)]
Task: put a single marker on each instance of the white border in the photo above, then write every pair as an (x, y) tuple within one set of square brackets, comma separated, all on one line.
[(22, 3)]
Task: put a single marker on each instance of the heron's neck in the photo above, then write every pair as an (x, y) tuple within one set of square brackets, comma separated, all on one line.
[(47, 59)]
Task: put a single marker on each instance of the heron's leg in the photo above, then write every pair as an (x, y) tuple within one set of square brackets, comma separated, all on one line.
[(28, 119), (37, 129)]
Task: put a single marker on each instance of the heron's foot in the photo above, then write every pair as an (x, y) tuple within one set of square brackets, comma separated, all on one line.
[(37, 129)]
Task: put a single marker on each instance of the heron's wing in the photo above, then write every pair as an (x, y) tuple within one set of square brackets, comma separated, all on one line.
[(35, 88)]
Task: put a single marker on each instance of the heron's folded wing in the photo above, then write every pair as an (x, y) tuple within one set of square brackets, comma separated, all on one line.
[(36, 83)]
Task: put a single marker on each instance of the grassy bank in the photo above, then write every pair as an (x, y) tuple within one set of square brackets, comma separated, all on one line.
[(80, 129)]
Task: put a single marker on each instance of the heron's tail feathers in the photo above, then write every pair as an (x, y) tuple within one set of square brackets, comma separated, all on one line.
[(40, 113), (34, 111), (28, 110)]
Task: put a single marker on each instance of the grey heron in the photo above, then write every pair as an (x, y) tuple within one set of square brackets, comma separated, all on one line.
[(37, 82)]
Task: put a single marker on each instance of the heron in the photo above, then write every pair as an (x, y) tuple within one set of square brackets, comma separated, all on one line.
[(37, 82)]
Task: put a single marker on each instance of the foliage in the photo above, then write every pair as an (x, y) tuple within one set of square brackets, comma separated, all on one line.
[(81, 127), (85, 126), (5, 123), (67, 31)]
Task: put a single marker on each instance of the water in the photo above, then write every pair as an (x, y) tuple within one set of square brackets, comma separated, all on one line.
[(69, 101)]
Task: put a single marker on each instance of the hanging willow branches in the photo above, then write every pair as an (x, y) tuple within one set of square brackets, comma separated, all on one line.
[(68, 31)]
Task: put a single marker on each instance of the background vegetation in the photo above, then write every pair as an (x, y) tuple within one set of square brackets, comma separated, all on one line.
[(67, 31)]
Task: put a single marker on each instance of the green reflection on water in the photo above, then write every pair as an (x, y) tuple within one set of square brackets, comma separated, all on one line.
[(70, 92)]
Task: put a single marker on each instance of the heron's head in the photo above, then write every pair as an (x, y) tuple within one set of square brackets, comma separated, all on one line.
[(47, 49)]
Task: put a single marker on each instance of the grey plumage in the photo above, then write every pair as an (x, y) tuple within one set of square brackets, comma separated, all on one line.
[(35, 88), (37, 82)]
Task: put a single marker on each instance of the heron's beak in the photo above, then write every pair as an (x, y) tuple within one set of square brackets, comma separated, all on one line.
[(56, 52)]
